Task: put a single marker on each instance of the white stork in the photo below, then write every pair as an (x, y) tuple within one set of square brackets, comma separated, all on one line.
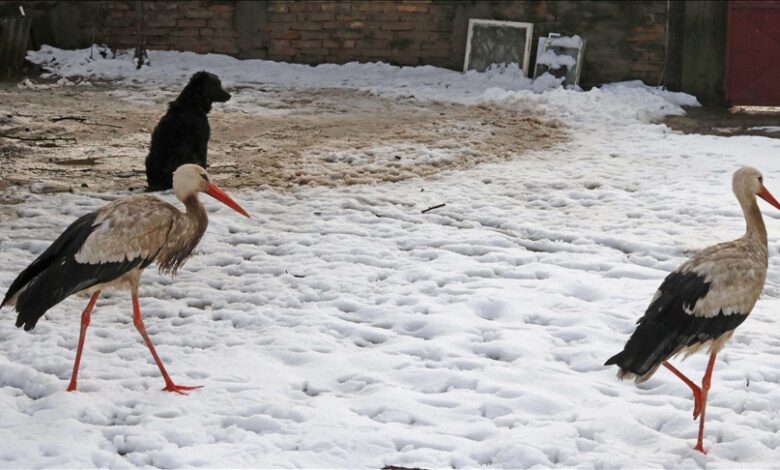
[(109, 248), (701, 303)]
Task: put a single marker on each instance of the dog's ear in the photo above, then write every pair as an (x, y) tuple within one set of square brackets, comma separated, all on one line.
[(201, 84)]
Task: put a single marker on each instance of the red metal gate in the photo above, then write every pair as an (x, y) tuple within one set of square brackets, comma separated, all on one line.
[(753, 53)]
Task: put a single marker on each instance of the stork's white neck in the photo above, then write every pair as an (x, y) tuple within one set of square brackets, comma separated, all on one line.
[(186, 232), (754, 221)]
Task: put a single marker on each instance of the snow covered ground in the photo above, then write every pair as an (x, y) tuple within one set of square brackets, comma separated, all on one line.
[(341, 327)]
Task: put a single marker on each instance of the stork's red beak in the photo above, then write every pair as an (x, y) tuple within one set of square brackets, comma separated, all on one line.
[(214, 191), (767, 196)]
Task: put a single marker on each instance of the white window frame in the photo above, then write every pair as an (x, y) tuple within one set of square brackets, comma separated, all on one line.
[(529, 33)]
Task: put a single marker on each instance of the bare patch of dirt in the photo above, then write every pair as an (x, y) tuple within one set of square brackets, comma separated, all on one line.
[(71, 137), (720, 121)]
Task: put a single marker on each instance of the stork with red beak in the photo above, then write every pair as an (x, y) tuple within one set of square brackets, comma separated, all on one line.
[(701, 303), (110, 248)]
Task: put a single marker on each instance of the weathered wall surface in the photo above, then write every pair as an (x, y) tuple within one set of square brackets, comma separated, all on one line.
[(626, 40)]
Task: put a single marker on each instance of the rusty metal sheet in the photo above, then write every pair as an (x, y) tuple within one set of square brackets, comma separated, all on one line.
[(753, 53)]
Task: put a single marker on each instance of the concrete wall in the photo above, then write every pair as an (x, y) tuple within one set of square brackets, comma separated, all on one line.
[(626, 40)]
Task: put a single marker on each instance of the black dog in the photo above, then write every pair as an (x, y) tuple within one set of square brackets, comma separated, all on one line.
[(182, 135)]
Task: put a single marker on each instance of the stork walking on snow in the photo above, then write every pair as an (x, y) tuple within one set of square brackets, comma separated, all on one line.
[(701, 303), (109, 248)]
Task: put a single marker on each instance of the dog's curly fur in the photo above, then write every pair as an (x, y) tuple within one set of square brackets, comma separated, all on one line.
[(182, 135)]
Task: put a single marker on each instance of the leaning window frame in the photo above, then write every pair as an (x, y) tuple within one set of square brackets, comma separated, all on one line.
[(529, 33)]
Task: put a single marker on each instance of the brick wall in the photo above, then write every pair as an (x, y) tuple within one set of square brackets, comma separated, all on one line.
[(626, 40), (198, 26)]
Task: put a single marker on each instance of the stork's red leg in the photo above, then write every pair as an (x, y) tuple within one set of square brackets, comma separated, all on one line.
[(697, 395), (705, 387), (139, 324), (85, 316)]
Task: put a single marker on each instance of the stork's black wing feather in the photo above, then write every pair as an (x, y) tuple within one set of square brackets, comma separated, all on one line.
[(56, 274), (74, 235), (669, 326)]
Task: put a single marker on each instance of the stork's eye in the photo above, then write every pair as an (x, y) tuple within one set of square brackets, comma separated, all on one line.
[(761, 179), (203, 175)]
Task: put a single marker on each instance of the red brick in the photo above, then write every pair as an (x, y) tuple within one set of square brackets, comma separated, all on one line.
[(188, 44), (371, 44), (382, 17), (156, 32), (188, 32), (339, 7), (315, 51), (308, 59), (644, 37), (222, 44), (162, 6), (282, 26), (407, 60), (278, 7), (220, 23), (308, 44), (344, 34), (314, 35), (304, 6), (653, 28), (281, 48), (302, 26), (384, 55), (426, 45), (414, 34), (274, 18), (318, 16), (398, 26), (223, 8), (157, 43), (190, 22), (368, 6), (126, 31), (225, 33), (160, 21), (191, 12), (340, 44), (288, 36), (440, 53), (379, 34), (412, 8)]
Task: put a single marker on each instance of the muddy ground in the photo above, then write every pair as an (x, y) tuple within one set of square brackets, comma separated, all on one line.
[(62, 138), (722, 121)]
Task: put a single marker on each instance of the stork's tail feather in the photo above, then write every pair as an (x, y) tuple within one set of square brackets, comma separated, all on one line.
[(650, 345), (37, 297), (28, 320), (33, 292)]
